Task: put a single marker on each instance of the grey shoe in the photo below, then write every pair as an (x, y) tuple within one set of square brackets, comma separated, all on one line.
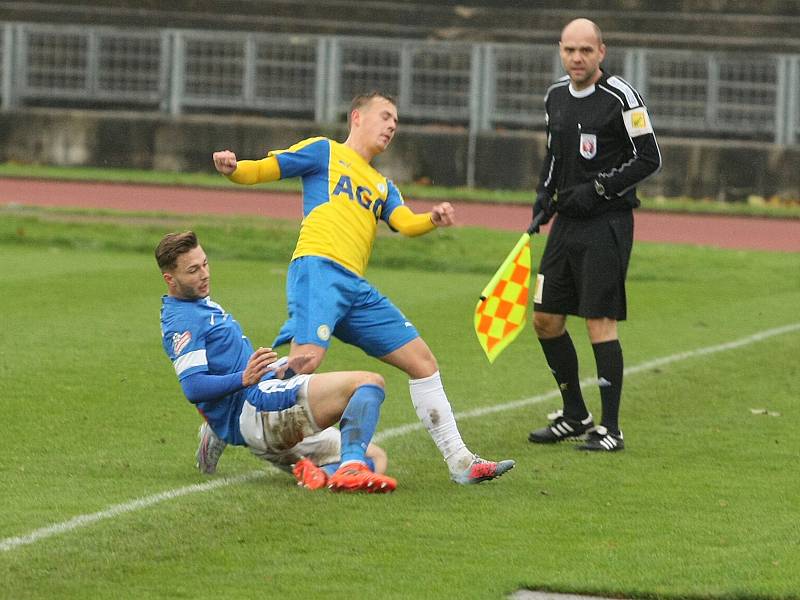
[(482, 470), (209, 450)]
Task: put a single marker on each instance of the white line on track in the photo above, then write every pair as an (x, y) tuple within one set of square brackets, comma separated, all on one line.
[(141, 503)]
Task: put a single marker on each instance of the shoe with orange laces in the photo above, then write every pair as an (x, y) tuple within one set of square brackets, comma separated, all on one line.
[(309, 475), (357, 477), (482, 470)]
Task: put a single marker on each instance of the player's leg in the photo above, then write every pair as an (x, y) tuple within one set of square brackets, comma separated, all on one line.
[(324, 449), (376, 326), (376, 459), (556, 296), (434, 410), (610, 367), (574, 419), (312, 468), (430, 401), (379, 458), (313, 315), (209, 449), (604, 304), (279, 415), (311, 458), (354, 399)]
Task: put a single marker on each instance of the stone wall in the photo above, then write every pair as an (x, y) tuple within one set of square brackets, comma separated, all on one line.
[(725, 170)]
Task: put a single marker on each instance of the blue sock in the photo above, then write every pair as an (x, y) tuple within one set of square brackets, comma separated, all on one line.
[(331, 468), (359, 421)]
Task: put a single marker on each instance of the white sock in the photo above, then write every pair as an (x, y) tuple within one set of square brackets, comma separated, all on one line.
[(434, 410)]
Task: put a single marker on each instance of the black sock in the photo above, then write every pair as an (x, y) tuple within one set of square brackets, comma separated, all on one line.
[(608, 356), (563, 362)]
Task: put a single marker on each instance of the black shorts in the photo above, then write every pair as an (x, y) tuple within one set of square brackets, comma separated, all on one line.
[(584, 267)]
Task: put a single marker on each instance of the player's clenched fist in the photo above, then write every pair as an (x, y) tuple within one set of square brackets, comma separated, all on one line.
[(224, 161), (443, 215)]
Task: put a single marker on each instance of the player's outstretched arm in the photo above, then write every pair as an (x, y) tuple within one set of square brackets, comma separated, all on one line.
[(202, 387), (246, 172), (412, 224), (224, 162)]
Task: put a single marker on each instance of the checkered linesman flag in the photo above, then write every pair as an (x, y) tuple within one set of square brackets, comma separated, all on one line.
[(502, 306), (501, 309)]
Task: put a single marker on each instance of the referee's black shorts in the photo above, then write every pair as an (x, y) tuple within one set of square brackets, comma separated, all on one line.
[(584, 267)]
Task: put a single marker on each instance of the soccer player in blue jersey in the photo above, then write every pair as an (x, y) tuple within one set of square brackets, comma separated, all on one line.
[(344, 197), (249, 398)]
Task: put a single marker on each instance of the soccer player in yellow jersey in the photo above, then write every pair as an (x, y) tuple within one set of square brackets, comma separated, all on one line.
[(344, 197)]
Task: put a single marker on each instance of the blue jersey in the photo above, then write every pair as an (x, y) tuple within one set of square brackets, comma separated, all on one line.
[(200, 337)]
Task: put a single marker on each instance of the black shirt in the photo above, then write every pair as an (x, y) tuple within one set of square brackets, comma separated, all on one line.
[(602, 133)]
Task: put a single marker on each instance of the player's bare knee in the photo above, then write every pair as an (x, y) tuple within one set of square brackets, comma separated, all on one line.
[(425, 364), (370, 378), (601, 330), (547, 325)]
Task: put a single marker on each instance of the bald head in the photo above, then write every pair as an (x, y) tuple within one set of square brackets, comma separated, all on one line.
[(582, 50), (583, 28)]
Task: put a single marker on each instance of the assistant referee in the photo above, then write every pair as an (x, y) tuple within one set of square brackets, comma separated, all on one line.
[(600, 145)]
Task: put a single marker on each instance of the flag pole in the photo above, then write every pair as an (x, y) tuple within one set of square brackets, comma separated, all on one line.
[(520, 243)]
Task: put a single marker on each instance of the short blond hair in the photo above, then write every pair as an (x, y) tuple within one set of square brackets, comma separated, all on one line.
[(362, 100)]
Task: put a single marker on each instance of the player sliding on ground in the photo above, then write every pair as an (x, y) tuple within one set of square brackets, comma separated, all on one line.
[(244, 399), (344, 197)]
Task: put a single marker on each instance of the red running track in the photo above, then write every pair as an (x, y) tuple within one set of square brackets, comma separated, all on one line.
[(719, 231)]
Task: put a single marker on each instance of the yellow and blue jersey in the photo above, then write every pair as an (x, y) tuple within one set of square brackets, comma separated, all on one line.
[(344, 197)]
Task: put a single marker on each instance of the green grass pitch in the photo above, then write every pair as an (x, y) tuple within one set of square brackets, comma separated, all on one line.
[(702, 503)]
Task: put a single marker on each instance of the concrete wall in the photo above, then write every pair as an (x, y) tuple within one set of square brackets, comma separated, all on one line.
[(510, 160)]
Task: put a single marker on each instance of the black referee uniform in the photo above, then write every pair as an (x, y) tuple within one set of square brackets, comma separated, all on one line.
[(600, 146)]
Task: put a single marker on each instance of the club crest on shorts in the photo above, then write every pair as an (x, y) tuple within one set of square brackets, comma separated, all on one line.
[(179, 341), (588, 145), (324, 333)]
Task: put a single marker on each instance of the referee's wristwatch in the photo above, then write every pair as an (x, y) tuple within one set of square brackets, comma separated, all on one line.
[(599, 188)]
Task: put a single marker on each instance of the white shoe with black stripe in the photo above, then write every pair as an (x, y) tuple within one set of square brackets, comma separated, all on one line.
[(600, 439), (560, 428)]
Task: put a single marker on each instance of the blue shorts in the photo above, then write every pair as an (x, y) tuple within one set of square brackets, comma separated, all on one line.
[(326, 299)]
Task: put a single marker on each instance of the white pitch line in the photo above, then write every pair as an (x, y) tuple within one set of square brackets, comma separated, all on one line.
[(120, 509), (645, 366), (140, 503)]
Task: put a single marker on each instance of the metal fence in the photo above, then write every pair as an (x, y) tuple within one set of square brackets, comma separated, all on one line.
[(482, 86)]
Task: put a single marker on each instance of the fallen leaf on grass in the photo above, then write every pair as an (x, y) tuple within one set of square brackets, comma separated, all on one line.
[(764, 411)]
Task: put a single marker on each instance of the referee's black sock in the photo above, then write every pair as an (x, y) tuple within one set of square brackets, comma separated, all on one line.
[(563, 362), (608, 356)]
